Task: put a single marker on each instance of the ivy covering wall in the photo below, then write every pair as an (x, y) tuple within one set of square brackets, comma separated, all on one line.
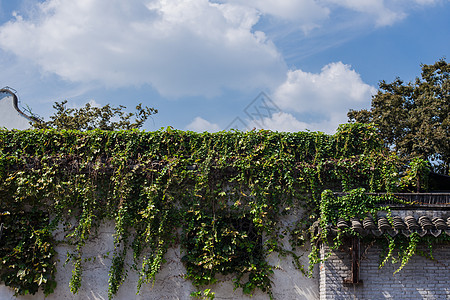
[(219, 195)]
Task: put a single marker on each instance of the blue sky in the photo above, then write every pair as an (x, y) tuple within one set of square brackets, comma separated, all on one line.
[(283, 65)]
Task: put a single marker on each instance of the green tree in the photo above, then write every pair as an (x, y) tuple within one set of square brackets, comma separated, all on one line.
[(90, 117), (414, 118)]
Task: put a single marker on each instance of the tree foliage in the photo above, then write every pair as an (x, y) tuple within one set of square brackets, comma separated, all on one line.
[(91, 117), (414, 118)]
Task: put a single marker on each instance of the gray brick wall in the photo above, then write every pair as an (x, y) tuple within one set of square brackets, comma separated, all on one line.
[(421, 278)]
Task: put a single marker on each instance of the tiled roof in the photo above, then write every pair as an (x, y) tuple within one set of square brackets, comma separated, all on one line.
[(407, 225)]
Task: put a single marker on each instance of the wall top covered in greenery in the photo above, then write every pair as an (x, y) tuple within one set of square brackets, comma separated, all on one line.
[(226, 190)]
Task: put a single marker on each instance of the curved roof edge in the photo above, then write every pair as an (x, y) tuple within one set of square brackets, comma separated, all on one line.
[(16, 104)]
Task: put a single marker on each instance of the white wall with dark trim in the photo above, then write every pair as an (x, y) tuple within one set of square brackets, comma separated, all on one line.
[(11, 117)]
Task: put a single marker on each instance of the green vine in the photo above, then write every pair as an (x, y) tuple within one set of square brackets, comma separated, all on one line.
[(358, 204), (219, 196), (26, 253)]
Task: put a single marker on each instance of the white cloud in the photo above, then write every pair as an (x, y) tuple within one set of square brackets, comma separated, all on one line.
[(382, 14), (335, 85), (325, 97), (195, 47), (316, 101), (281, 122), (306, 13), (179, 47), (201, 125), (309, 14), (311, 101)]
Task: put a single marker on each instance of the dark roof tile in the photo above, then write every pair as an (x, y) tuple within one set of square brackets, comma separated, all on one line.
[(407, 225)]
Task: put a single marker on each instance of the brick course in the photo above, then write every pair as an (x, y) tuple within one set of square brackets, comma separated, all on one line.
[(421, 278)]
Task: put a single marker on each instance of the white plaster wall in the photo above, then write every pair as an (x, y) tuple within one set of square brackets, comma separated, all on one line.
[(288, 282), (9, 116)]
